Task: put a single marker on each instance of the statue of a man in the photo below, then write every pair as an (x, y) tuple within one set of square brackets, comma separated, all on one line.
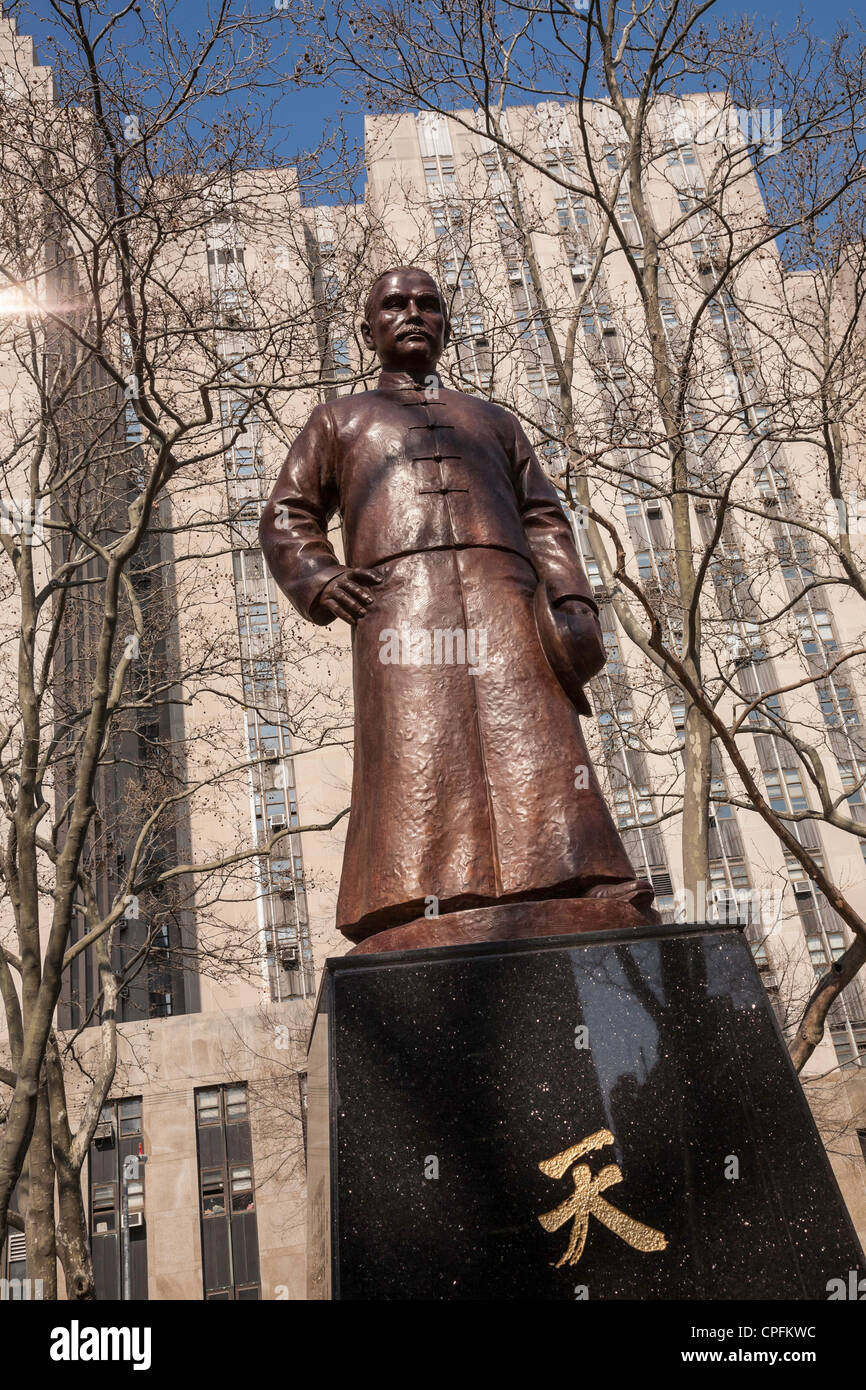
[(472, 784)]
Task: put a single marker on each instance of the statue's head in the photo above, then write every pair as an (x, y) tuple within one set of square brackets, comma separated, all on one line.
[(405, 320)]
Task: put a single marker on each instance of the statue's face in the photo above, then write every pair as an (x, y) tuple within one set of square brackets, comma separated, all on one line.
[(407, 326)]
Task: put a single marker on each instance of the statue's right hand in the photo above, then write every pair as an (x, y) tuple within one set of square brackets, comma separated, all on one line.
[(348, 595)]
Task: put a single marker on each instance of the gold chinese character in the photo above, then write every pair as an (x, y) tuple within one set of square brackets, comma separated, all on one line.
[(586, 1201)]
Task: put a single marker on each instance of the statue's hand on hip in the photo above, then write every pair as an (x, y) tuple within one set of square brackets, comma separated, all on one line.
[(588, 642), (348, 595)]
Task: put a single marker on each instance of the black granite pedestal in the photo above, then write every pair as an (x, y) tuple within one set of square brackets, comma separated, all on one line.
[(603, 1116)]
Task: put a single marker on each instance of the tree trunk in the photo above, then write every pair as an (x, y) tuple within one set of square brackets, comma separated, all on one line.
[(73, 1245), (39, 1215), (697, 776)]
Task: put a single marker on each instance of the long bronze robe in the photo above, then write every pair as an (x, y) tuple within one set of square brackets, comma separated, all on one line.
[(471, 782)]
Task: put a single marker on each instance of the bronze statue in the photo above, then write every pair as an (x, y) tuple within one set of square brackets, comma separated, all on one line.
[(472, 784)]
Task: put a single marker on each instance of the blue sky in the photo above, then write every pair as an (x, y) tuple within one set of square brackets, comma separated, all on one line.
[(304, 115), (313, 108)]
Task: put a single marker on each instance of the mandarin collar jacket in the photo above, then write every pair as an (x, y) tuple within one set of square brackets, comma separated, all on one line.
[(412, 466)]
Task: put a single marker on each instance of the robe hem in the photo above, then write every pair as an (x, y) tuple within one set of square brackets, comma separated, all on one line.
[(399, 914)]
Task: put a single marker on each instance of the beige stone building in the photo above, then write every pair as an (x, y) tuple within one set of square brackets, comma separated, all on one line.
[(209, 1083)]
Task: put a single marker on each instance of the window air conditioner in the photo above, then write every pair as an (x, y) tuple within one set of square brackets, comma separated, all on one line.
[(136, 1218), (17, 1246)]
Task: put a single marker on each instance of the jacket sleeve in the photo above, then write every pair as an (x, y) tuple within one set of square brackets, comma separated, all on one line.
[(550, 537), (293, 531)]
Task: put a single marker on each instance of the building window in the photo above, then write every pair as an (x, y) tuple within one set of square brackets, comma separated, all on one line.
[(772, 484), (842, 1042), (633, 805), (275, 809), (208, 1106), (104, 1208), (440, 220), (691, 203), (248, 513), (243, 462), (118, 1136), (531, 329), (340, 354), (837, 704), (330, 283), (645, 566), (614, 659), (228, 1225), (760, 421), (800, 881), (676, 153), (769, 711), (160, 1004), (236, 1104), (785, 790), (816, 632), (258, 619), (243, 1197), (853, 776), (729, 873), (678, 714), (759, 954), (264, 739), (571, 211), (541, 381), (234, 411), (720, 808), (476, 327), (633, 491), (134, 427), (263, 678), (820, 954), (454, 275), (213, 1197), (795, 561), (439, 173)]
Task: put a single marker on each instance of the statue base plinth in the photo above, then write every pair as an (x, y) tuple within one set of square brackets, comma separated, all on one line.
[(447, 1085)]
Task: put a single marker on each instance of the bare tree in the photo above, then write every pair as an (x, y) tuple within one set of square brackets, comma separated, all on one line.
[(147, 368)]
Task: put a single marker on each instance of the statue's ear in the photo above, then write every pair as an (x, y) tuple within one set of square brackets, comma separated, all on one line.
[(446, 339), (367, 335)]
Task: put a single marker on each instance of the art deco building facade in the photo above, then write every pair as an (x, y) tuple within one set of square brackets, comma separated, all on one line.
[(211, 1040)]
